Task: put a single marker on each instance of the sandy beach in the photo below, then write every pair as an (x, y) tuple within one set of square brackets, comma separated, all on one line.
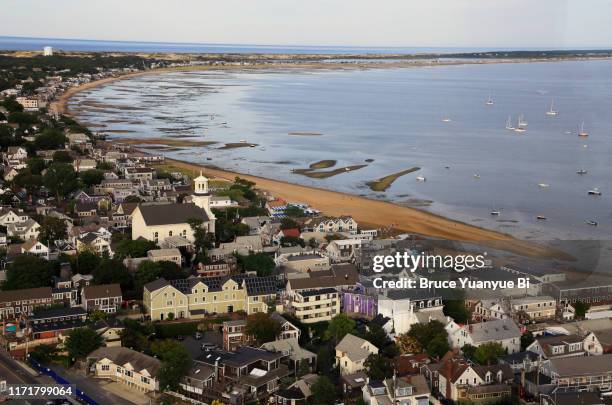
[(368, 212)]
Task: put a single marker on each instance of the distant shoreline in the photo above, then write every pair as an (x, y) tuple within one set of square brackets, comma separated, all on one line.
[(61, 104)]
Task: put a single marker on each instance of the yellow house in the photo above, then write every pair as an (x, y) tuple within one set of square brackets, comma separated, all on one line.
[(352, 352), (195, 297)]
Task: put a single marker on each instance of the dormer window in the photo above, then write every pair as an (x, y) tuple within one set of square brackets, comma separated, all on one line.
[(499, 376)]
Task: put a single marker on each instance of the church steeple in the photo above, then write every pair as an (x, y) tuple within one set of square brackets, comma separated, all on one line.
[(200, 185)]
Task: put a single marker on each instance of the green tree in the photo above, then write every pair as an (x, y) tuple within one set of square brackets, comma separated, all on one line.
[(175, 363), (28, 271), (457, 310), (36, 165), (202, 239), (44, 353), (526, 339), (81, 342), (52, 229), (136, 335), (147, 271), (62, 156), (31, 182), (304, 368), (294, 212), (487, 353), (92, 177), (376, 335), (437, 347), (323, 392), (581, 309), (431, 336), (292, 241), (11, 104), (288, 223), (338, 327), (133, 248), (85, 262), (324, 360), (50, 139), (60, 179), (259, 262), (111, 271), (378, 367), (22, 119), (468, 351), (262, 327)]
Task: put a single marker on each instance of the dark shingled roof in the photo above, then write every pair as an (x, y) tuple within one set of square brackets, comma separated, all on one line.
[(254, 285), (162, 214), (123, 355), (102, 291), (243, 356)]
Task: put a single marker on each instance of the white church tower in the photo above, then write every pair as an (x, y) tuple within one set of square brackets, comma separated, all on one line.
[(201, 198)]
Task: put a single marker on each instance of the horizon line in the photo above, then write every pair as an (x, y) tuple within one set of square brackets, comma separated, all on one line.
[(399, 47)]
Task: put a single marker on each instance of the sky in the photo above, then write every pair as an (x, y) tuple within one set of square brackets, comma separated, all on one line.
[(405, 23)]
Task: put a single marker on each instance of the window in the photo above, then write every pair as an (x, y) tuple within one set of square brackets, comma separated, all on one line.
[(144, 380), (169, 233), (105, 367)]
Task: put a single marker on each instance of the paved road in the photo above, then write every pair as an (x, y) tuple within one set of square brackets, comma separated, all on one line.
[(13, 373)]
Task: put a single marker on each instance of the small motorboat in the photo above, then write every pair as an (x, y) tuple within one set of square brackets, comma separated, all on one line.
[(581, 171), (476, 175), (421, 178), (446, 119), (543, 185), (594, 191), (495, 213), (541, 217), (591, 222)]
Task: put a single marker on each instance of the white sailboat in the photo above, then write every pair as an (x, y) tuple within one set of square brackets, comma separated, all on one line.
[(521, 121), (490, 100), (509, 125), (552, 112), (582, 132)]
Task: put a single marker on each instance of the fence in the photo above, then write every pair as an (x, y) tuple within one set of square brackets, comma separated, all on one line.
[(61, 380)]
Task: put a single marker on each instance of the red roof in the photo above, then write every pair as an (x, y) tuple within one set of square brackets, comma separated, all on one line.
[(291, 232)]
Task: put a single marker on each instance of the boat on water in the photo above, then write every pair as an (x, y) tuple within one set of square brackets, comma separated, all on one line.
[(476, 175), (541, 218), (521, 122), (446, 119), (551, 111), (543, 185), (591, 222), (519, 129), (582, 133), (509, 125), (582, 171), (594, 191), (495, 213), (489, 100), (421, 178)]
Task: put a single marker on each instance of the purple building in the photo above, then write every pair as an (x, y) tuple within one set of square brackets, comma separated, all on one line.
[(357, 302)]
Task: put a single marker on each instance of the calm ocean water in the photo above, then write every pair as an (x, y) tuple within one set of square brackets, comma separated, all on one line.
[(34, 44), (394, 116)]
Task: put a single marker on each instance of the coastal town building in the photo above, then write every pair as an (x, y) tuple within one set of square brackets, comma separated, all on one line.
[(102, 297), (136, 370), (503, 331), (196, 297), (352, 352), (160, 221)]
